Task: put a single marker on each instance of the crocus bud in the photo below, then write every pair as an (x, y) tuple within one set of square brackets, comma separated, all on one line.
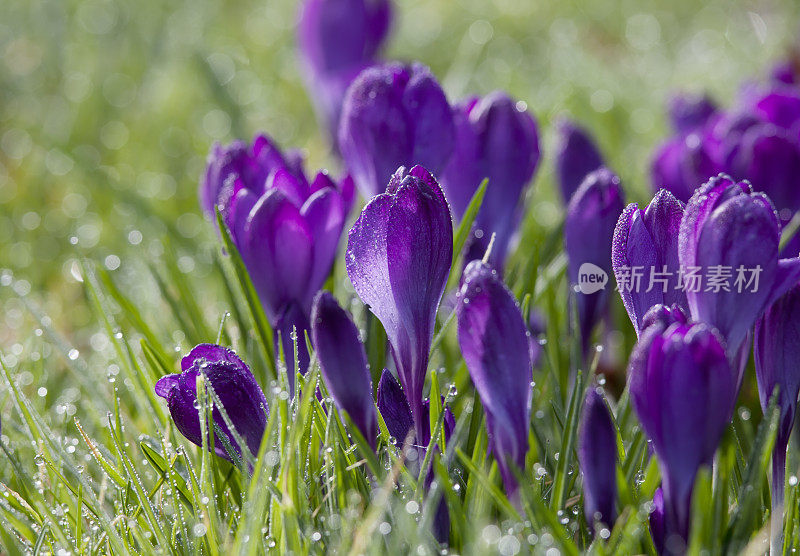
[(591, 217), (688, 113), (343, 363), (729, 237), (286, 229), (232, 382), (496, 138), (394, 115), (576, 156), (399, 253), (494, 342), (597, 456), (645, 256), (683, 163), (777, 359), (337, 40), (769, 158), (681, 387), (779, 106)]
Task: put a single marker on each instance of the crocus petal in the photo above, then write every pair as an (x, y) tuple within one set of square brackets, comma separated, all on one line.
[(398, 258), (324, 212), (576, 156), (597, 455), (394, 408), (343, 363), (231, 380), (646, 244), (494, 342), (682, 164), (278, 252)]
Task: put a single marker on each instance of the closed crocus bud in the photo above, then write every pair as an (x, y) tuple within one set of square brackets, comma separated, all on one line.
[(343, 363), (399, 253), (287, 230), (777, 359), (681, 387), (494, 342), (645, 256), (688, 113), (769, 158), (394, 115), (496, 138), (576, 156), (235, 387), (597, 456), (729, 239), (683, 163), (337, 40), (591, 217)]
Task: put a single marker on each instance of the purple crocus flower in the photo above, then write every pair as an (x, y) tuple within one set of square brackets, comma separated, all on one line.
[(337, 40), (597, 456), (394, 115), (343, 363), (496, 138), (399, 253), (286, 228), (777, 358), (494, 342), (682, 163), (688, 113), (576, 156), (591, 217), (230, 378), (681, 387), (729, 236), (645, 256)]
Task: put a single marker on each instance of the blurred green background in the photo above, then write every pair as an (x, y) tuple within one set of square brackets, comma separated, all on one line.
[(108, 108)]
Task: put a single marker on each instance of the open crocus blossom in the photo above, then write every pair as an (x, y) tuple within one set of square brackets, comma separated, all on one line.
[(234, 385), (645, 256), (591, 217), (494, 342), (597, 456), (399, 253), (681, 387), (728, 250), (394, 115), (286, 228), (777, 359), (343, 363), (337, 40), (576, 156), (496, 138)]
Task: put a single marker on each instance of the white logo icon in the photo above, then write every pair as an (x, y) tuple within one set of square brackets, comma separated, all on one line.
[(591, 278)]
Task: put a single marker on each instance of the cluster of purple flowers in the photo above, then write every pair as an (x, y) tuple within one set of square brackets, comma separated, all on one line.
[(414, 158)]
